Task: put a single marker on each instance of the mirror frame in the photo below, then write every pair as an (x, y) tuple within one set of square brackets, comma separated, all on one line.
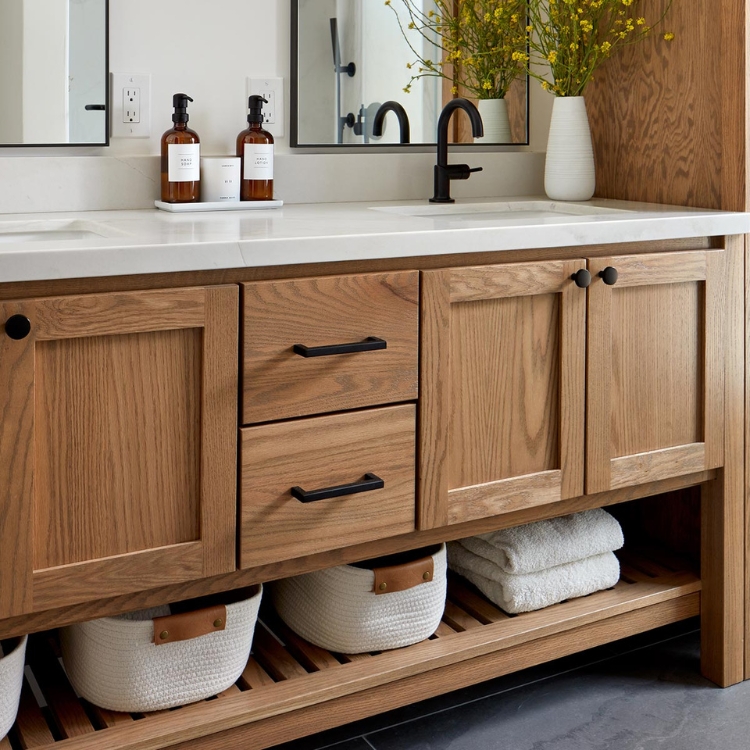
[(107, 105), (356, 147)]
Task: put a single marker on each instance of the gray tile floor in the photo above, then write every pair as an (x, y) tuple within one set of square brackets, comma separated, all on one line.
[(643, 693)]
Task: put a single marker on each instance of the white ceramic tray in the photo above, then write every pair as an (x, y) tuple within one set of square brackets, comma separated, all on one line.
[(180, 208)]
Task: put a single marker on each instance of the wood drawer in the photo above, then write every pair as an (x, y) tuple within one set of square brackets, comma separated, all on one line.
[(318, 453), (281, 384)]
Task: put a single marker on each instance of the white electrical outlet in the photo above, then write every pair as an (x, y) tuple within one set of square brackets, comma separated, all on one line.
[(273, 112), (131, 105)]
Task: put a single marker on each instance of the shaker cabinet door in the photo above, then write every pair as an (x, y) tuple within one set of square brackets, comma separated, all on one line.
[(501, 391), (655, 389), (118, 433)]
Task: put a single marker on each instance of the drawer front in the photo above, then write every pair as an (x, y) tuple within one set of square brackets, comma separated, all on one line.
[(280, 383), (318, 453)]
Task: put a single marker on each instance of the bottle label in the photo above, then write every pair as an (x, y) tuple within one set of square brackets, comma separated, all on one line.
[(258, 161), (184, 162)]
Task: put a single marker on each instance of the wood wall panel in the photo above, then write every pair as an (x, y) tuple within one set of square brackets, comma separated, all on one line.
[(668, 118)]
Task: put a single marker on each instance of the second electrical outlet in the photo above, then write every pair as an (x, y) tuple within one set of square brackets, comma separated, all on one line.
[(271, 89)]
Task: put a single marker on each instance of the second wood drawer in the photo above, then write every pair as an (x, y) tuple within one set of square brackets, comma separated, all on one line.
[(279, 383), (318, 453)]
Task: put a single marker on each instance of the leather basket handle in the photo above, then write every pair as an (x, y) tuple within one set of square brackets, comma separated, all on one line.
[(188, 625), (403, 577)]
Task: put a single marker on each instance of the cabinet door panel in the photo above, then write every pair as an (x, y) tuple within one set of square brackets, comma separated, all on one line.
[(655, 380), (502, 390), (122, 475)]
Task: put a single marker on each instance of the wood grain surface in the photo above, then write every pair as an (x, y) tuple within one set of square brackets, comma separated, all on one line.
[(279, 384), (668, 119), (135, 282), (158, 594), (127, 406), (502, 391), (118, 445), (473, 632), (655, 367), (325, 452)]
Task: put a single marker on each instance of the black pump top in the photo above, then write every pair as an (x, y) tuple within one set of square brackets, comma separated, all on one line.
[(255, 103), (180, 102)]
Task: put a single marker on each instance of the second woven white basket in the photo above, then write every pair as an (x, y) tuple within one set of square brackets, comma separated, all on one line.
[(11, 682), (373, 606), (152, 660)]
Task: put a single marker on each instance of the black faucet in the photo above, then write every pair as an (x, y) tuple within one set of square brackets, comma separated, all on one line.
[(403, 120), (445, 172)]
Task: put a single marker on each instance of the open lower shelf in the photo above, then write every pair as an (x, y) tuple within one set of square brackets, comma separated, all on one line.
[(291, 688)]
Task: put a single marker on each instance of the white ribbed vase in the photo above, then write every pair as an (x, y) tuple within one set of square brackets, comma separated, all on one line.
[(495, 119), (569, 171)]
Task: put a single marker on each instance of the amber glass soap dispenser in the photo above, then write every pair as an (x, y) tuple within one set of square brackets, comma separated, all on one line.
[(255, 148), (180, 158)]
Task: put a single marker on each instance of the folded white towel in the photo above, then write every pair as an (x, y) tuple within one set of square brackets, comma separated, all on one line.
[(545, 544), (525, 593)]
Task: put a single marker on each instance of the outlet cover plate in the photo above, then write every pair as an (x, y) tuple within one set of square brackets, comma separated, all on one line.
[(120, 83), (273, 90)]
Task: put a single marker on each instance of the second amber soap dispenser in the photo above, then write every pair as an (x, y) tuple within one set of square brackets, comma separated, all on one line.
[(255, 148)]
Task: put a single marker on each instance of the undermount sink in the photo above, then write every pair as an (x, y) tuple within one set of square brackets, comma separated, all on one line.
[(54, 230), (482, 212)]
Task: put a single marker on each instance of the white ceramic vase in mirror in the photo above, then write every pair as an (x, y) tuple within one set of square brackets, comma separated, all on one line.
[(569, 173), (496, 122)]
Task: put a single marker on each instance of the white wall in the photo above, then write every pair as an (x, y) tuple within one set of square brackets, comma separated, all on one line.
[(206, 49)]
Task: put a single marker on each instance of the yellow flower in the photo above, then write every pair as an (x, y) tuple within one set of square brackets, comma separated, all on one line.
[(669, 36), (552, 57)]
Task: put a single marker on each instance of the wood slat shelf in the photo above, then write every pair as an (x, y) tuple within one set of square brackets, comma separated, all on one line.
[(289, 679)]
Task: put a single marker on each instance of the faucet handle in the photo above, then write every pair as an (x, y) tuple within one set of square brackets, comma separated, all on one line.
[(476, 169)]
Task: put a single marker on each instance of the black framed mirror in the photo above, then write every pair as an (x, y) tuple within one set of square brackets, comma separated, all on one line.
[(54, 72), (351, 57)]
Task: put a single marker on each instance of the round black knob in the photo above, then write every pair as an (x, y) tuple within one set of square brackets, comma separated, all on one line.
[(609, 275), (582, 278), (17, 327)]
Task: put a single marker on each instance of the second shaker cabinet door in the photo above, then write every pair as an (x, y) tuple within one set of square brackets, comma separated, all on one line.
[(655, 384), (502, 389), (117, 443)]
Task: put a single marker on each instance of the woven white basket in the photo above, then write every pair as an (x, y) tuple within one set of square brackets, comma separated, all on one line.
[(115, 664), (337, 609), (11, 681)]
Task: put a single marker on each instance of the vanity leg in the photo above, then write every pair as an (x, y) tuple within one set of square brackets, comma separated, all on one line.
[(723, 503)]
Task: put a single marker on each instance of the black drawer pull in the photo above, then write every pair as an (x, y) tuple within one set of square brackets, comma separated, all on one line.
[(370, 344), (369, 483), (609, 275)]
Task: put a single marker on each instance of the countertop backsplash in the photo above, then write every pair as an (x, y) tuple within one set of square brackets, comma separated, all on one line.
[(33, 184)]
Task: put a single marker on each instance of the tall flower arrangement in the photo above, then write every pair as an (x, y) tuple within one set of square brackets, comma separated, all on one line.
[(481, 43), (574, 37)]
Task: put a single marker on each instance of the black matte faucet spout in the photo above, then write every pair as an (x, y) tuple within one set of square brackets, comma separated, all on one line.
[(403, 120), (445, 172)]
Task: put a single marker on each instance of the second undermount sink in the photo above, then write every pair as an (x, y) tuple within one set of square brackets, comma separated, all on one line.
[(505, 210), (53, 230)]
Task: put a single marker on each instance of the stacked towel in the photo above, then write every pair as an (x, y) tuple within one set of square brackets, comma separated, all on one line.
[(534, 566)]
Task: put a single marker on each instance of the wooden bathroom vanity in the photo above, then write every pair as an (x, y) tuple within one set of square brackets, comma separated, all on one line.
[(153, 425)]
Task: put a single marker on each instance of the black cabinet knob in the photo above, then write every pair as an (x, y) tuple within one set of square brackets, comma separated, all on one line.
[(609, 276), (582, 278), (17, 327)]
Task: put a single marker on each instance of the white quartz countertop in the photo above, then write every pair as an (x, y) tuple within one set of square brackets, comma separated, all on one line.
[(37, 247)]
